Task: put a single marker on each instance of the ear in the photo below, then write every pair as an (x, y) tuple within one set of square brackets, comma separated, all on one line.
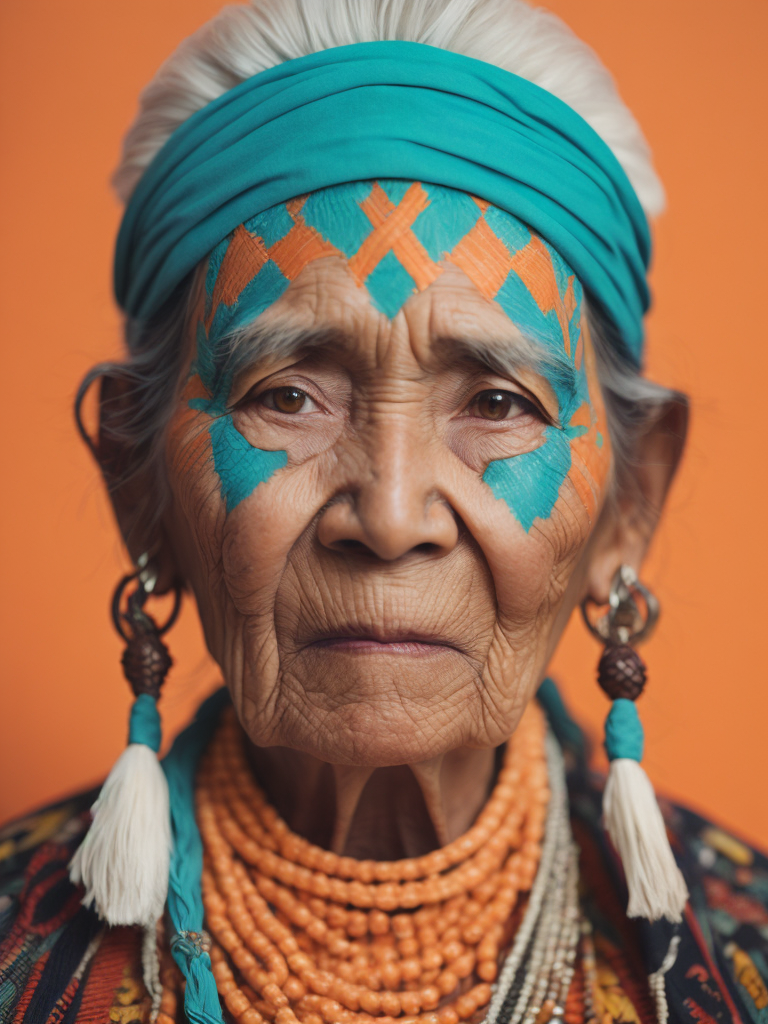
[(135, 487), (630, 517)]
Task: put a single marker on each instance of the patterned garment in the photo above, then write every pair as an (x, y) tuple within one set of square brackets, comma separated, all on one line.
[(60, 965)]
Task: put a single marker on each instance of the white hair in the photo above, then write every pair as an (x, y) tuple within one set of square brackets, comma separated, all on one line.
[(243, 39)]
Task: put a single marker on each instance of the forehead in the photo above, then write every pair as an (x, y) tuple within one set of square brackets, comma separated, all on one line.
[(396, 238)]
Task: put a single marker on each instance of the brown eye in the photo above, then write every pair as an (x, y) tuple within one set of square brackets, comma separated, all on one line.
[(290, 400), (496, 405)]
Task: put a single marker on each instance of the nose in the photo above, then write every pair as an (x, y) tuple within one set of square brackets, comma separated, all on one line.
[(392, 506)]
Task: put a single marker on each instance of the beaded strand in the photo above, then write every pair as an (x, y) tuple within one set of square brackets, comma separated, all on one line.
[(557, 834), (303, 936), (300, 934)]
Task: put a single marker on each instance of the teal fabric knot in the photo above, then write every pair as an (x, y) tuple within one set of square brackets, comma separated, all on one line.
[(144, 724), (190, 944), (623, 731)]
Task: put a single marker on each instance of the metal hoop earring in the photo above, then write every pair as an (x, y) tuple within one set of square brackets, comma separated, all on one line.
[(621, 672), (146, 659)]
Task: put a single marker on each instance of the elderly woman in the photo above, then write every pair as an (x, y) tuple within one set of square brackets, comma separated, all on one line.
[(382, 414)]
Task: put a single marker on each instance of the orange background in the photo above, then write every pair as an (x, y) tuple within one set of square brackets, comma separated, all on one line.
[(692, 71)]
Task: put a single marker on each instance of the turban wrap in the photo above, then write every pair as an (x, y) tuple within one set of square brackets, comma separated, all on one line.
[(398, 110)]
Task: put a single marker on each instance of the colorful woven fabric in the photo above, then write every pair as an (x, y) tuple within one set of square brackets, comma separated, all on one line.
[(59, 965)]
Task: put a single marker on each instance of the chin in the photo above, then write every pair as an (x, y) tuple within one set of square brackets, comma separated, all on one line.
[(374, 709), (380, 737)]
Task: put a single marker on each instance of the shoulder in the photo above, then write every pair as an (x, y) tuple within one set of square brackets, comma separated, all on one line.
[(727, 914), (721, 968), (57, 960)]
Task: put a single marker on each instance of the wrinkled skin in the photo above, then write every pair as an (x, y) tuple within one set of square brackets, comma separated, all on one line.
[(372, 603)]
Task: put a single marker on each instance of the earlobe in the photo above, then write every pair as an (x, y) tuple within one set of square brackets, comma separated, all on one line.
[(632, 511)]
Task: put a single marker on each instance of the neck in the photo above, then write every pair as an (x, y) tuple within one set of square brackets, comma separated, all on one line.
[(377, 813)]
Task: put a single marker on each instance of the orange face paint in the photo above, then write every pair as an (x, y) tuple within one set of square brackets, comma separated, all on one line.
[(396, 238)]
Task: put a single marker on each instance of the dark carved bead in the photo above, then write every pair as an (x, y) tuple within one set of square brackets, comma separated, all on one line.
[(146, 661), (621, 672)]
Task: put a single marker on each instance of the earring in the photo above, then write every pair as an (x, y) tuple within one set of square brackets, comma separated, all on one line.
[(123, 861), (146, 660), (632, 816), (621, 672)]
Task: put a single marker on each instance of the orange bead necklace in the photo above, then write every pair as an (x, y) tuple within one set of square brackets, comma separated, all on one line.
[(300, 934)]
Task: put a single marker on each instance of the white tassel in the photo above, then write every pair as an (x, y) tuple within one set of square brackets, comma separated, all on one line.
[(634, 822), (123, 861)]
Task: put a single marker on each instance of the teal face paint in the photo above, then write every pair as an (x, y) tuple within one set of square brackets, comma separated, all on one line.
[(530, 482), (239, 466), (543, 298), (395, 237)]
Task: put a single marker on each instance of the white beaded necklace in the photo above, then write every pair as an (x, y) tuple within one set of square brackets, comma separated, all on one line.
[(538, 970)]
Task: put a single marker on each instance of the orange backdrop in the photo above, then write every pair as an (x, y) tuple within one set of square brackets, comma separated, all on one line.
[(692, 70)]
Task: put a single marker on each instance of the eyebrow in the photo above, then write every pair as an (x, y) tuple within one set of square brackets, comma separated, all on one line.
[(509, 356), (237, 352), (256, 342)]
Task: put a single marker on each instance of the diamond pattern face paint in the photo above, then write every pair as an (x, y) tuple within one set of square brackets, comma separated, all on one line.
[(396, 237)]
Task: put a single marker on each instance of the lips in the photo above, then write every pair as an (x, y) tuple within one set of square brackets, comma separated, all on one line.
[(356, 640)]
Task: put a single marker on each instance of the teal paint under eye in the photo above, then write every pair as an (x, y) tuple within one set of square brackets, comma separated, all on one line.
[(599, 440), (530, 483), (239, 466)]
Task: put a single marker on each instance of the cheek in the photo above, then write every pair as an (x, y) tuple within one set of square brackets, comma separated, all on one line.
[(547, 502), (529, 483), (538, 511), (559, 487), (260, 534), (240, 467), (520, 562), (213, 470)]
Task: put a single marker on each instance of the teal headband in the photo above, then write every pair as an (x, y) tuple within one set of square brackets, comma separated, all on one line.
[(388, 109)]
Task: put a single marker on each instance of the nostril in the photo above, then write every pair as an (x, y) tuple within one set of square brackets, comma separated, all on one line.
[(386, 527), (427, 548), (357, 547), (347, 544)]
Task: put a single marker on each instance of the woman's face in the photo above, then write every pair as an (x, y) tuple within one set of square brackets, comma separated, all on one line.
[(383, 501)]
